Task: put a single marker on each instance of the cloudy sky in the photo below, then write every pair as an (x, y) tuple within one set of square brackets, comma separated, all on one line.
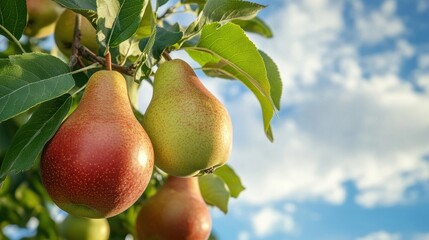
[(351, 153)]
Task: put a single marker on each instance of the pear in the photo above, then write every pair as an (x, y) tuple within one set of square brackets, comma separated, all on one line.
[(189, 128), (176, 211), (42, 15), (64, 33), (80, 228), (100, 160)]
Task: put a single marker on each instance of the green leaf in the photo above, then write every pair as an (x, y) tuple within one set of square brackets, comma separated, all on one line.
[(147, 23), (13, 17), (224, 11), (255, 25), (118, 20), (32, 137), (217, 51), (4, 186), (231, 179), (87, 8), (214, 191), (161, 2), (202, 2), (30, 79), (164, 39), (7, 130), (274, 78)]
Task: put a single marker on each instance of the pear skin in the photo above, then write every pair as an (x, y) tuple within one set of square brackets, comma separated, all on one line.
[(80, 228), (100, 160), (176, 211), (64, 31), (42, 15), (190, 129)]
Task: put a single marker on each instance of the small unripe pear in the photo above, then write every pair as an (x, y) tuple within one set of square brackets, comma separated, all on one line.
[(64, 32), (176, 211), (190, 129), (100, 160), (80, 228), (42, 15)]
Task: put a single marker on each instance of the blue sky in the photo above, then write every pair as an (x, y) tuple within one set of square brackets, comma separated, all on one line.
[(351, 153), (350, 157)]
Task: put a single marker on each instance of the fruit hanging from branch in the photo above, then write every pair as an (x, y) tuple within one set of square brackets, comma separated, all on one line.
[(176, 211), (80, 228), (64, 33), (190, 129), (101, 159), (42, 15)]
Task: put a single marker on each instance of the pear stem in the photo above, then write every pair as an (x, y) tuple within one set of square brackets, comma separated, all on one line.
[(87, 54), (108, 58), (167, 56), (16, 41), (76, 42)]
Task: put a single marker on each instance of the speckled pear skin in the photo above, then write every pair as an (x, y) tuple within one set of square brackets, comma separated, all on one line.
[(101, 159), (176, 211), (190, 129)]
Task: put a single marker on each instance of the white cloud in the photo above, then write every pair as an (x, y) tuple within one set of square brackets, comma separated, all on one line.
[(345, 123), (381, 235), (268, 220), (290, 207), (243, 235), (389, 62), (421, 236), (422, 73), (348, 118), (423, 61), (422, 5), (375, 26)]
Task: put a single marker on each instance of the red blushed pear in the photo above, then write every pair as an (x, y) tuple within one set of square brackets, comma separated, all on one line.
[(101, 159), (176, 211)]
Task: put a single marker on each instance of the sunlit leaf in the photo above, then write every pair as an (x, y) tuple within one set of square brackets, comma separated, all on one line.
[(231, 179), (214, 191), (255, 25), (118, 20), (218, 50), (224, 11), (273, 74)]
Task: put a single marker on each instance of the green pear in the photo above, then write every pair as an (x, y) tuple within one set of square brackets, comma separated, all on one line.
[(64, 32), (42, 15), (79, 228), (100, 160), (190, 129), (176, 211)]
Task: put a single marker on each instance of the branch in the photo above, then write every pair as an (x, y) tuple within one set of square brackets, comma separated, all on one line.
[(166, 55), (87, 54), (74, 58)]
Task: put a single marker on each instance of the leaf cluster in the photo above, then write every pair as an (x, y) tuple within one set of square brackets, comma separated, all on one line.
[(38, 89)]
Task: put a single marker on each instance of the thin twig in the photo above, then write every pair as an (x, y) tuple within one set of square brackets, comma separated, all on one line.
[(87, 54), (166, 55), (16, 41), (76, 42)]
